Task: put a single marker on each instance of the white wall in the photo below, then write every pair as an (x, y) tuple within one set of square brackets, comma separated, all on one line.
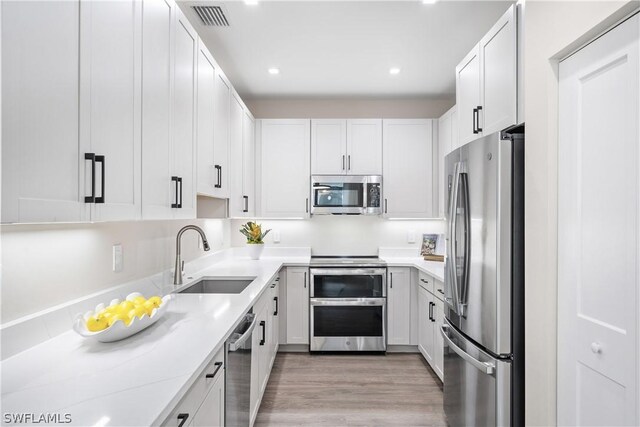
[(552, 30), (318, 108), (342, 235), (48, 264)]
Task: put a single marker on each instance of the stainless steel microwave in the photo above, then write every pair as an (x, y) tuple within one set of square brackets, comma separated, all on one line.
[(346, 194)]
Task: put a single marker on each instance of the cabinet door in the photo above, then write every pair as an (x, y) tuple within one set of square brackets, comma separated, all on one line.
[(445, 137), (285, 168), (222, 105), (207, 176), (211, 412), (438, 341), (110, 84), (408, 168), (158, 189), (184, 115), (398, 306), (364, 147), (43, 166), (468, 96), (236, 124), (275, 321), (249, 163), (425, 326), (328, 147), (297, 306), (499, 74)]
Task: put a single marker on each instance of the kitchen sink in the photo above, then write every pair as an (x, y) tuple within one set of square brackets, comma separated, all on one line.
[(217, 286)]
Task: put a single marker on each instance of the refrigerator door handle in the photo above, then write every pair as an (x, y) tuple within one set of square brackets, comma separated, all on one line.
[(464, 288), (484, 367), (451, 251)]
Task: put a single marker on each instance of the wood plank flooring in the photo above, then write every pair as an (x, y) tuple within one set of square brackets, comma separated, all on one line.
[(351, 390)]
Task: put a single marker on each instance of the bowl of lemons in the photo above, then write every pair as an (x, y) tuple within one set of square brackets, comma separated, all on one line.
[(121, 319)]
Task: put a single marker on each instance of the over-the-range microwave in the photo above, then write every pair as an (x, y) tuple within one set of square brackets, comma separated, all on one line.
[(346, 194)]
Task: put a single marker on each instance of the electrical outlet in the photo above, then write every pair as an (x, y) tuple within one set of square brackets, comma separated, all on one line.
[(411, 236), (276, 236), (117, 258)]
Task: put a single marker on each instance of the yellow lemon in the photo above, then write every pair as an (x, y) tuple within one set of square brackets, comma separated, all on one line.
[(138, 312), (156, 300), (126, 306), (149, 307), (120, 316), (139, 300), (95, 324)]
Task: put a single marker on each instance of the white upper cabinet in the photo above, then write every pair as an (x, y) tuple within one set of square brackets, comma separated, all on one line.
[(158, 188), (43, 166), (364, 147), (285, 165), (221, 110), (249, 164), (184, 117), (328, 147), (486, 82), (242, 160), (446, 131), (408, 168), (352, 147), (207, 176), (110, 85)]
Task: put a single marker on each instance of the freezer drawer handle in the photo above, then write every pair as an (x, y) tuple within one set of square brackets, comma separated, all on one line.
[(485, 367), (235, 345)]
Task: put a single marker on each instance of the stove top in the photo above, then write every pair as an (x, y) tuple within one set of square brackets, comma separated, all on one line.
[(347, 261)]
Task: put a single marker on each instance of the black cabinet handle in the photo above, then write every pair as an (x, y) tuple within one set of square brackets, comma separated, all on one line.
[(478, 109), (391, 280), (180, 182), (475, 128), (100, 159), (183, 419), (305, 279), (92, 158), (219, 176), (441, 291), (246, 203), (218, 365), (385, 205), (431, 305), (275, 313), (263, 324), (349, 162), (177, 203), (306, 205), (343, 162)]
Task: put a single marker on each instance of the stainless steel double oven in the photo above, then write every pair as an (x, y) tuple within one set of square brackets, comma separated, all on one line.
[(348, 305)]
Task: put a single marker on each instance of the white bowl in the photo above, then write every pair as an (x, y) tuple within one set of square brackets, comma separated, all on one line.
[(119, 330)]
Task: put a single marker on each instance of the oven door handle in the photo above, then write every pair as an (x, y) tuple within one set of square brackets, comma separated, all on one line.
[(349, 301), (348, 271)]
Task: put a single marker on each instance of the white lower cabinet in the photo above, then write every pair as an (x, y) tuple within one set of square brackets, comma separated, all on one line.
[(297, 305), (430, 320), (399, 306), (203, 404)]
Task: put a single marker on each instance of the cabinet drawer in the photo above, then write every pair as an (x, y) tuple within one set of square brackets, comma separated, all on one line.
[(425, 281), (197, 393), (438, 287)]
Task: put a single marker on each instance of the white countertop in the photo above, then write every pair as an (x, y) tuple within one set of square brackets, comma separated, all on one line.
[(138, 381)]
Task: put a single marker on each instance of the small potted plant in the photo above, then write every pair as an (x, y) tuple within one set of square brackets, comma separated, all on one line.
[(253, 232)]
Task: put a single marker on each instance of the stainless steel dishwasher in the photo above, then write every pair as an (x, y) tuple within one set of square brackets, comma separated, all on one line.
[(238, 373)]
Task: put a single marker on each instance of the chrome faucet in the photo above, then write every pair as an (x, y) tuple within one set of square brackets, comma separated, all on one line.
[(177, 274)]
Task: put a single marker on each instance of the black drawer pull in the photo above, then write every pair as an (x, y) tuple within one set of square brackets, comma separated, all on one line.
[(246, 203), (218, 365), (178, 182), (479, 129), (275, 313), (263, 324), (219, 176), (441, 291), (431, 311), (183, 419), (92, 197), (100, 159)]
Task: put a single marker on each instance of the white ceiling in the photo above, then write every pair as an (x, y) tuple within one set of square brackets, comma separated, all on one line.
[(345, 48)]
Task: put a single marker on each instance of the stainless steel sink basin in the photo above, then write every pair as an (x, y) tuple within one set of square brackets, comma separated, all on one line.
[(217, 286)]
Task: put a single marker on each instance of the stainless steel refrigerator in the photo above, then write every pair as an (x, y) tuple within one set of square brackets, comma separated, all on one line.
[(484, 282)]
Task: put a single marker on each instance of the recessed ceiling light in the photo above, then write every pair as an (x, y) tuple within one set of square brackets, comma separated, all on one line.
[(251, 2), (429, 1), (393, 71), (274, 71)]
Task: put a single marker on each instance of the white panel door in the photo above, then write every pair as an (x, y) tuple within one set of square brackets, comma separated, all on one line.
[(598, 231), (110, 84), (236, 125), (364, 147), (438, 342), (211, 411), (445, 143), (498, 75), (158, 190), (43, 167), (285, 168), (425, 326), (184, 115), (328, 147), (222, 105), (468, 95), (249, 163), (206, 86), (408, 168), (399, 306), (297, 305)]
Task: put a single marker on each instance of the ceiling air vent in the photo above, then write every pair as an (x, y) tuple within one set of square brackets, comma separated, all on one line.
[(212, 16)]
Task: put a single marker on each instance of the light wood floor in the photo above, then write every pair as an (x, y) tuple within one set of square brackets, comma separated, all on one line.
[(351, 390)]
